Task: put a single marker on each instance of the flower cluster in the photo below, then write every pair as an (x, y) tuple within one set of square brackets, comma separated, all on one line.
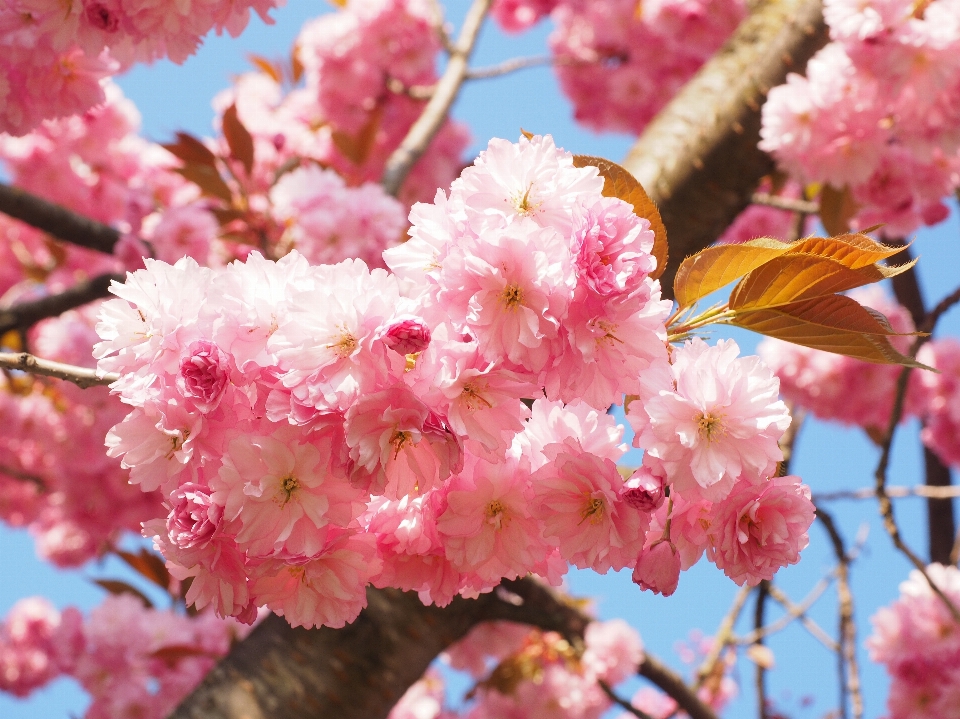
[(54, 56), (314, 429), (878, 111), (132, 660), (918, 641)]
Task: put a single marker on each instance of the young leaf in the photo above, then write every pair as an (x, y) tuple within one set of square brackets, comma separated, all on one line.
[(837, 208), (238, 138), (617, 182), (357, 149), (208, 179), (836, 312), (715, 267), (148, 565), (173, 653), (526, 134), (296, 67), (190, 150), (790, 278), (267, 67), (115, 586), (852, 250), (777, 323)]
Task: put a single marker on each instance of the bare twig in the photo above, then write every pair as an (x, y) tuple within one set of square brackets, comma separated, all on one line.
[(723, 637), (799, 612), (671, 683), (621, 702), (847, 665), (760, 675), (894, 492), (789, 439), (804, 207), (508, 66), (23, 315), (402, 160), (80, 376), (417, 92), (24, 477), (58, 221)]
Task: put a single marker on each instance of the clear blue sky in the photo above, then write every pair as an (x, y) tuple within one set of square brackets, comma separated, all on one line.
[(175, 98)]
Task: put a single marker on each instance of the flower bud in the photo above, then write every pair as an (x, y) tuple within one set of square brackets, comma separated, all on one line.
[(658, 569), (406, 335)]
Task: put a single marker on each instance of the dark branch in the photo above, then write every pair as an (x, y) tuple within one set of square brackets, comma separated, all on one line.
[(698, 159), (671, 683), (80, 376), (621, 702), (24, 315), (58, 221), (760, 678)]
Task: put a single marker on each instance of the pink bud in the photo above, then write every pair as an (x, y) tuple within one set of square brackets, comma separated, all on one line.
[(643, 491), (406, 335), (658, 569), (203, 375)]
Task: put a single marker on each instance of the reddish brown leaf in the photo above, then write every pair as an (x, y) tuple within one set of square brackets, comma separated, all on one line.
[(526, 134), (791, 277), (775, 323), (148, 565), (618, 182), (357, 148), (837, 208), (296, 67), (852, 250), (715, 267), (115, 586), (267, 67), (238, 139), (172, 655), (208, 179), (190, 150)]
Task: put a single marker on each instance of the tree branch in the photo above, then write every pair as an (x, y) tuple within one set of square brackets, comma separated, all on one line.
[(893, 492), (621, 702), (760, 675), (402, 160), (698, 159), (723, 637), (789, 204), (56, 220), (80, 376), (24, 315), (673, 684)]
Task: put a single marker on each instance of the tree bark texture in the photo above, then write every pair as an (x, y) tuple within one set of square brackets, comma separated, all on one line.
[(698, 159)]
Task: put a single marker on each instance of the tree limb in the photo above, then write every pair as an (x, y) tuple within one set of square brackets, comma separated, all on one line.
[(698, 159), (80, 376), (402, 160), (673, 684), (24, 315), (56, 220)]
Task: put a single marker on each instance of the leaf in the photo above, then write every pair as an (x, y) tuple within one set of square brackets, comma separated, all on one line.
[(761, 655), (528, 135), (148, 565), (837, 208), (357, 148), (296, 67), (783, 325), (267, 67), (792, 277), (172, 654), (190, 150), (715, 267), (618, 182), (238, 138), (853, 250), (839, 312), (208, 179), (115, 586), (226, 215)]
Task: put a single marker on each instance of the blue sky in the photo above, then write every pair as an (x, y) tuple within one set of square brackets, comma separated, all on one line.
[(175, 98)]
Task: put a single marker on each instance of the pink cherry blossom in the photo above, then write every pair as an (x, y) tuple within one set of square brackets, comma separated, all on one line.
[(658, 569)]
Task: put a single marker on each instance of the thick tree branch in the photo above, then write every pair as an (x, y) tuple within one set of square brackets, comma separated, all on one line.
[(674, 686), (698, 159), (402, 160), (58, 221), (24, 315), (80, 376)]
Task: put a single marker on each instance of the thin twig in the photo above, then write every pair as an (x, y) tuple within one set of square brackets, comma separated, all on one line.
[(760, 675), (800, 613), (56, 220), (955, 552), (723, 638), (621, 702), (402, 160), (804, 207), (24, 315), (417, 92), (80, 376), (671, 682), (894, 492), (789, 439), (847, 665), (508, 66), (24, 477)]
